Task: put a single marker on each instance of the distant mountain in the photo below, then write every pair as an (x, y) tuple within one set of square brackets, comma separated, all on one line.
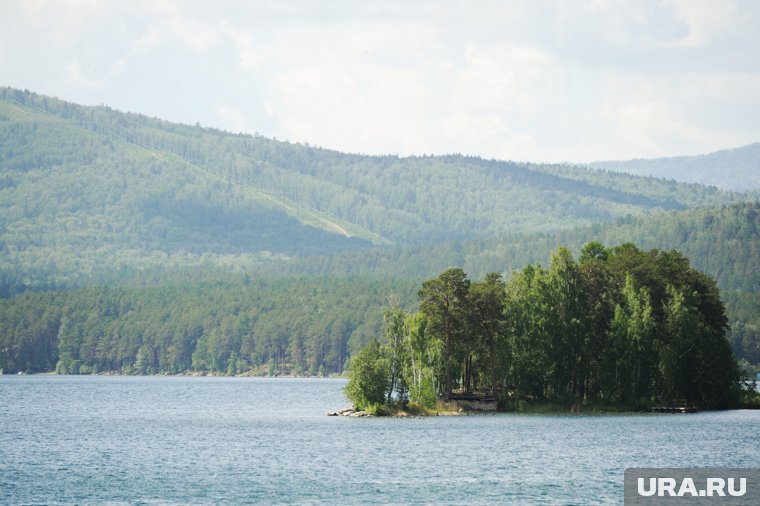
[(735, 169), (89, 194)]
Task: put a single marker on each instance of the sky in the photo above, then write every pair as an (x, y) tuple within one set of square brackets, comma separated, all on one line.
[(533, 80)]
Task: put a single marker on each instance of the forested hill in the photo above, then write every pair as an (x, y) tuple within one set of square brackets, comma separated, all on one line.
[(89, 192), (731, 169), (724, 242)]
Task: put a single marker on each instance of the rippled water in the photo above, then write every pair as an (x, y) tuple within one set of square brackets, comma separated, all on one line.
[(177, 440)]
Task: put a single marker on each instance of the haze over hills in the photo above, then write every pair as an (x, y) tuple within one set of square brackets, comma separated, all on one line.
[(735, 169), (89, 192)]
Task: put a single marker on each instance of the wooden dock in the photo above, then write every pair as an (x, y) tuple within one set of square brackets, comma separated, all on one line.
[(673, 409)]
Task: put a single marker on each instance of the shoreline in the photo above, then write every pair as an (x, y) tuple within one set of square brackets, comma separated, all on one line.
[(443, 409), (353, 413), (179, 374)]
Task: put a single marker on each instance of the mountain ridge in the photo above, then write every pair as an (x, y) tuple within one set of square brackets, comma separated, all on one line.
[(86, 190), (736, 169)]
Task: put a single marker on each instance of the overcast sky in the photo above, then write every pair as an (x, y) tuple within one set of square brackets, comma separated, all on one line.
[(519, 80)]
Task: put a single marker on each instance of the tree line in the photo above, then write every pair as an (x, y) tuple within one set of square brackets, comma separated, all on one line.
[(620, 326), (293, 326)]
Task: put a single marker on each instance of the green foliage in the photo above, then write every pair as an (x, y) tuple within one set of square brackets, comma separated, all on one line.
[(369, 376), (422, 367), (720, 241), (630, 346), (623, 328), (397, 353), (284, 326), (488, 326), (750, 397), (443, 301)]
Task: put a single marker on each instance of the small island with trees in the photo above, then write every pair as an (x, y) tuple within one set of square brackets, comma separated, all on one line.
[(619, 329)]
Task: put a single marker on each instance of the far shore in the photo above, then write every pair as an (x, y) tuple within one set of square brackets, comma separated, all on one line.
[(179, 374)]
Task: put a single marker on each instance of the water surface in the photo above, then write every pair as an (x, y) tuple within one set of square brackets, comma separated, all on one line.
[(180, 440)]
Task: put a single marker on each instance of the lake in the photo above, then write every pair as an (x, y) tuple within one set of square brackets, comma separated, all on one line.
[(183, 440)]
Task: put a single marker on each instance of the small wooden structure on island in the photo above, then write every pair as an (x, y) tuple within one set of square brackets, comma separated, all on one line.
[(474, 402), (681, 407)]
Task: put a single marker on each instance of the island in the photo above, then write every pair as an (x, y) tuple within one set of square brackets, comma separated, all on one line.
[(620, 329)]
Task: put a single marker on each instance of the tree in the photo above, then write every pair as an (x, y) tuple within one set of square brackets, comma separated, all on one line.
[(567, 323), (694, 357), (368, 375), (443, 300), (526, 312), (600, 289), (69, 341), (676, 347), (144, 360), (487, 320), (394, 334), (632, 331), (424, 359)]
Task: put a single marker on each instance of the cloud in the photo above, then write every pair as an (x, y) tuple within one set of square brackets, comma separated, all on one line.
[(234, 118), (381, 87), (641, 125), (367, 108), (705, 20), (533, 80), (352, 96), (146, 41), (512, 79), (78, 78), (249, 58), (118, 67), (486, 135), (195, 34)]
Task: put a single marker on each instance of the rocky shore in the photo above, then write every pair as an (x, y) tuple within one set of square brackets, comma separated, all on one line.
[(354, 413)]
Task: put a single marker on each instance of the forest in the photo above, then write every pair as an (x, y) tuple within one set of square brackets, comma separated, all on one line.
[(135, 245), (619, 327), (262, 327), (722, 243)]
